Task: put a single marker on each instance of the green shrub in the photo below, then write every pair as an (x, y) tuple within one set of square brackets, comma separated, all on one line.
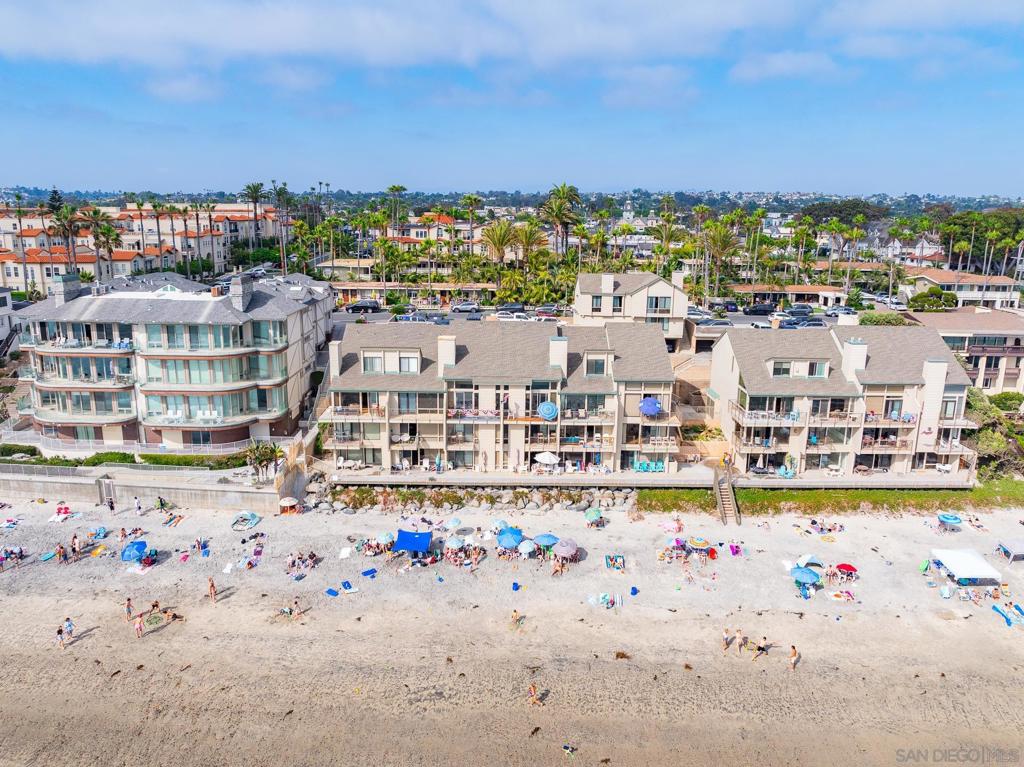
[(111, 456), (12, 449), (882, 318), (1007, 400), (212, 462)]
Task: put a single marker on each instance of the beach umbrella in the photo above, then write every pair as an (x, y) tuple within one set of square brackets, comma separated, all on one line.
[(548, 411), (498, 525), (845, 568), (949, 519), (545, 539), (288, 502), (134, 551), (804, 575), (510, 537), (649, 406), (592, 515), (385, 538), (676, 542), (698, 543), (807, 560), (565, 548), (546, 458), (527, 548), (453, 522), (454, 543)]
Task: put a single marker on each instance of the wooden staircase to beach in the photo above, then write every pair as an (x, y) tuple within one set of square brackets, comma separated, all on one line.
[(725, 497)]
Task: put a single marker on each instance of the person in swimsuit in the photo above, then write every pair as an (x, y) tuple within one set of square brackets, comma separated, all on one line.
[(725, 641), (60, 637), (211, 589), (69, 629), (760, 649), (793, 656), (140, 626), (128, 610), (739, 641)]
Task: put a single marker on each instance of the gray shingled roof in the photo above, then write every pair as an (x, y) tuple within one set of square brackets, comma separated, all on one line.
[(754, 347), (625, 284), (504, 352), (896, 355), (149, 282)]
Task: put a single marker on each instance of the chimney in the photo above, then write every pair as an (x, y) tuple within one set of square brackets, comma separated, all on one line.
[(607, 284), (215, 291), (679, 279), (855, 357), (66, 288), (558, 353), (240, 291), (445, 354)]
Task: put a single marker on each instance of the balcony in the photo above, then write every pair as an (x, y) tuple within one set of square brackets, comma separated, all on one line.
[(357, 413), (348, 441), (766, 418), (203, 419), (50, 381), (423, 415), (957, 422), (904, 421), (952, 447), (885, 445), (574, 415), (835, 418), (996, 349), (650, 443), (825, 446), (461, 441), (601, 442), (474, 414), (77, 345), (762, 446), (545, 442), (50, 415)]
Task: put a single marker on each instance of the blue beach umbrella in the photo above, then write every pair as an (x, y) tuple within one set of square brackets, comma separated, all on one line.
[(950, 519), (548, 411), (649, 406), (545, 539), (510, 537), (134, 551), (804, 575), (526, 548)]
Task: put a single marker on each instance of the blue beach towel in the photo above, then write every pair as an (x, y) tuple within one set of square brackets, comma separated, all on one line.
[(371, 573), (331, 592)]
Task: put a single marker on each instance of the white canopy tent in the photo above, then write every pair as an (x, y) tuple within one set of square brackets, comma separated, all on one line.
[(1012, 550), (966, 565)]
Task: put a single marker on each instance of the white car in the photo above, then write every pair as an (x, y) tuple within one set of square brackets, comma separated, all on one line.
[(535, 318), (779, 316), (761, 325), (512, 316)]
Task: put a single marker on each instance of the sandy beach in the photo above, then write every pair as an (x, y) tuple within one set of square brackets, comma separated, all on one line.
[(424, 666)]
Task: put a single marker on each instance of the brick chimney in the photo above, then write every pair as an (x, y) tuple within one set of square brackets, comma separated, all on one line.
[(66, 287), (240, 292)]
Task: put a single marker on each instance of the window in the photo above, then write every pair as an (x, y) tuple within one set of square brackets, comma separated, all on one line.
[(816, 369), (659, 305), (662, 321), (198, 337), (154, 337), (949, 408), (408, 363), (372, 363), (199, 437), (616, 304), (407, 402), (780, 369), (595, 366), (595, 303)]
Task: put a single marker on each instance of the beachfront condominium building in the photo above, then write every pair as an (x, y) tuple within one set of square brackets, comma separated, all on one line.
[(989, 341), (992, 290), (633, 297), (162, 360), (843, 401), (496, 395)]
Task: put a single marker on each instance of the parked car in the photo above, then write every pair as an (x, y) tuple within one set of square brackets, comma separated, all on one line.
[(725, 305), (897, 306), (779, 316), (363, 306), (465, 307), (812, 322), (544, 318), (758, 325), (258, 272), (790, 325), (696, 313), (759, 309), (800, 310), (515, 306), (835, 311), (547, 310), (506, 316), (711, 322)]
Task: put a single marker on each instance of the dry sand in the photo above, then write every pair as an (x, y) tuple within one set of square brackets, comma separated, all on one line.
[(413, 671)]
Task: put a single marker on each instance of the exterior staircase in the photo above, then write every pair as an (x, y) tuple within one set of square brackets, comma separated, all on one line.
[(725, 497)]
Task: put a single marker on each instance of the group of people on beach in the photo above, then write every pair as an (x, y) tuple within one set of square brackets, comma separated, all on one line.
[(741, 642), (15, 554)]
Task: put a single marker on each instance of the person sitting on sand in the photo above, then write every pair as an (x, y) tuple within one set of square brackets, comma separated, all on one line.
[(122, 536), (761, 649), (533, 695), (170, 616)]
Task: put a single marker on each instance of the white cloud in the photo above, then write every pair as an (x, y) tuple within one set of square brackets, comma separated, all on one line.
[(183, 87), (294, 77), (765, 66), (660, 86), (913, 15)]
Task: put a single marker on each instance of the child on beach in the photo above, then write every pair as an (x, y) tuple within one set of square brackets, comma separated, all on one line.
[(211, 589), (739, 641), (69, 629), (793, 655), (76, 548), (128, 610), (533, 695), (140, 626), (60, 637), (761, 649)]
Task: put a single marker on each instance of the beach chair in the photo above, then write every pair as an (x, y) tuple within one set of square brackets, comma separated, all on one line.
[(659, 466)]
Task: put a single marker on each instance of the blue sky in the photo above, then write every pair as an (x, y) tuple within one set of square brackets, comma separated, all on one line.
[(846, 96)]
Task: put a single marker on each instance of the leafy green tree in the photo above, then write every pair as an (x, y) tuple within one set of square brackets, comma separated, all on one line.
[(935, 299)]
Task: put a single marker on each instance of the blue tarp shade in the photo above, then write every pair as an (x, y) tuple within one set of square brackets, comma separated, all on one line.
[(134, 551), (548, 411), (417, 543), (649, 406)]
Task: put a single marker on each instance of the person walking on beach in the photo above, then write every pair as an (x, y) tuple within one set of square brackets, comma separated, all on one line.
[(138, 506), (211, 588), (533, 696), (76, 548), (140, 626), (60, 637), (69, 629), (128, 610), (739, 641), (793, 656), (296, 612), (110, 504), (725, 641), (62, 554), (760, 649)]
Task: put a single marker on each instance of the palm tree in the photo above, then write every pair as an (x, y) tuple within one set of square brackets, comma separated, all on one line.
[(67, 224), (471, 202), (208, 208), (254, 193), (499, 237), (562, 199), (106, 237), (961, 247), (395, 190), (580, 233), (199, 241), (158, 210), (140, 205), (529, 238), (19, 212), (722, 247), (666, 233)]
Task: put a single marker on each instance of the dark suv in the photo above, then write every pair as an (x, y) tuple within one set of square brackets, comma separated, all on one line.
[(800, 310), (365, 306), (759, 309), (726, 305), (515, 306)]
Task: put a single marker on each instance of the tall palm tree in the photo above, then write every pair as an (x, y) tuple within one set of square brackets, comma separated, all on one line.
[(106, 237), (199, 240), (499, 237), (19, 212), (562, 199), (722, 247), (666, 233), (140, 205), (94, 219), (158, 211), (529, 237), (254, 193), (580, 233), (183, 211), (471, 202), (67, 225), (960, 248), (395, 191)]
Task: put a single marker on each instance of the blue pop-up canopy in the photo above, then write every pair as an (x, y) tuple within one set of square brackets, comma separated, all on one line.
[(133, 552), (417, 543)]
